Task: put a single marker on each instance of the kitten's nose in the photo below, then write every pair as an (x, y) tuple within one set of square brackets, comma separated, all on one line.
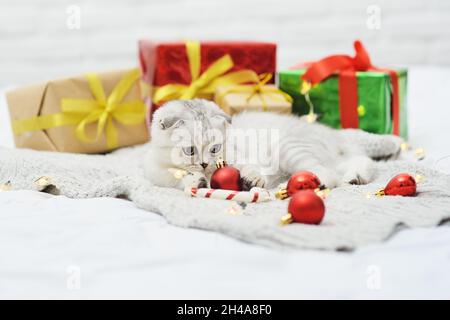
[(204, 165)]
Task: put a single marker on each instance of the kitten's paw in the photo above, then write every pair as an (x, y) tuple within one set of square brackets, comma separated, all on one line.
[(194, 180), (251, 177), (360, 171), (390, 148), (328, 178), (354, 178)]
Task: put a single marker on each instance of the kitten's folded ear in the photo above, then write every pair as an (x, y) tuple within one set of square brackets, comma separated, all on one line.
[(223, 117), (226, 117), (170, 122)]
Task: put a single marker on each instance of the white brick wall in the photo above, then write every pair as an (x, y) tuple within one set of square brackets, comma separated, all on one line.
[(36, 44)]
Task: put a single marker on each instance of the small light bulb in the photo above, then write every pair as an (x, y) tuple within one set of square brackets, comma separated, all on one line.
[(311, 117), (404, 146), (43, 181), (419, 178), (6, 186), (306, 86), (420, 153), (361, 110), (177, 173), (234, 210)]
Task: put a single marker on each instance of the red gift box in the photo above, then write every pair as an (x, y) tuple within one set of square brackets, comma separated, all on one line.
[(164, 64)]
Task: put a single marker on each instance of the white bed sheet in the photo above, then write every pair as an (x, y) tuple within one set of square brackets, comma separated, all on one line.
[(55, 247)]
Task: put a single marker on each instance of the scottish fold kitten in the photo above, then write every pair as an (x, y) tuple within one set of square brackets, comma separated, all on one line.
[(187, 135), (267, 147)]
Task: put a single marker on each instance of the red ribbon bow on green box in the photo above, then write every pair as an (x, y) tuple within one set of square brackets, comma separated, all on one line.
[(347, 66)]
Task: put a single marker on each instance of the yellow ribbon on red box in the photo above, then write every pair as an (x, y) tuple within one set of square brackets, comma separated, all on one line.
[(206, 83)]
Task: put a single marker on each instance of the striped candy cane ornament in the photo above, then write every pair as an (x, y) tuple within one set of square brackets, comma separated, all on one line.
[(252, 196)]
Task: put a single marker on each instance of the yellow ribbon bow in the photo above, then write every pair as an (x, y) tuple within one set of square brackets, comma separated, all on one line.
[(203, 85), (258, 89), (103, 110)]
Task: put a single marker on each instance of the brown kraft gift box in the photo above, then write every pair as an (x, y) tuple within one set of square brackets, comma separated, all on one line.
[(46, 99)]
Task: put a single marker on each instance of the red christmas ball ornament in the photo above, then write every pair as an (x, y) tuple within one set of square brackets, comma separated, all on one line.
[(305, 207), (402, 184), (226, 177), (302, 180)]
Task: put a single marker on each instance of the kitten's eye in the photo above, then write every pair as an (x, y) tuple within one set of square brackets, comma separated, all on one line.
[(215, 148), (190, 151)]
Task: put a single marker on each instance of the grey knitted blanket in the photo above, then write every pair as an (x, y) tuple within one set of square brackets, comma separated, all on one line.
[(351, 218)]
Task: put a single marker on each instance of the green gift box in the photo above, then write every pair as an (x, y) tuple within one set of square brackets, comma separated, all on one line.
[(374, 108)]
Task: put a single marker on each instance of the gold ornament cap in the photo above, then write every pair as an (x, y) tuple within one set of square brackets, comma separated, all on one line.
[(322, 192), (286, 219), (221, 163), (281, 194)]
